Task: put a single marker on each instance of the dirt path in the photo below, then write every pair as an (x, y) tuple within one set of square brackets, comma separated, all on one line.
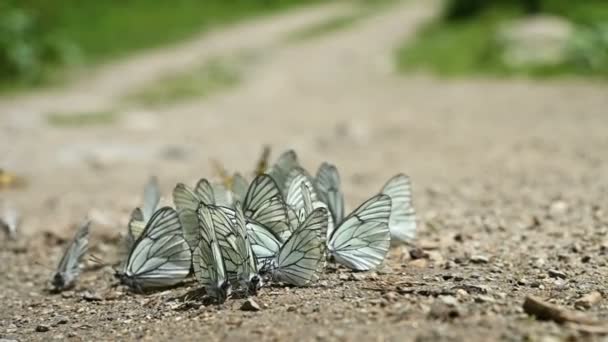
[(510, 184)]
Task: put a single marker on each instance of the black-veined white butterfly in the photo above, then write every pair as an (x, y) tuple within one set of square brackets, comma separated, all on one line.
[(302, 198), (402, 222), (299, 261), (264, 204), (328, 185), (207, 259), (240, 262), (160, 257), (281, 169), (68, 269), (363, 238), (141, 216)]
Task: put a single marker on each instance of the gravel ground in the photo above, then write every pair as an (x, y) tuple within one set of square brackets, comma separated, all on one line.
[(510, 185)]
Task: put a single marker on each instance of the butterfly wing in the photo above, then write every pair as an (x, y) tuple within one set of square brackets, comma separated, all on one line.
[(135, 227), (185, 198), (68, 268), (264, 204), (281, 169), (328, 185), (402, 221), (204, 192), (209, 267), (151, 198), (160, 257), (363, 239), (301, 257), (303, 198), (239, 187), (264, 244)]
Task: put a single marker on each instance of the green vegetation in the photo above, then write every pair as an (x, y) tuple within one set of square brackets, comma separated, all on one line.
[(39, 36), (82, 119), (215, 75), (464, 41)]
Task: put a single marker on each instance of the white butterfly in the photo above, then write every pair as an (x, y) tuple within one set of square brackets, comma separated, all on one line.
[(362, 239), (262, 203), (10, 220), (302, 198), (68, 269), (160, 257), (240, 262), (140, 217), (281, 169), (402, 222), (299, 261), (328, 185), (207, 260)]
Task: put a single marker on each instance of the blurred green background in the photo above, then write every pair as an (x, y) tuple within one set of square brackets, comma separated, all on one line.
[(39, 38), (513, 37)]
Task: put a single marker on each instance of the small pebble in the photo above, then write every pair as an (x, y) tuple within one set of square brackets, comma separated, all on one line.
[(479, 259), (42, 328), (557, 274), (589, 300), (418, 263), (250, 305)]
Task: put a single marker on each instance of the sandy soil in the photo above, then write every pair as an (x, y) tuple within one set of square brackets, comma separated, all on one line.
[(510, 185)]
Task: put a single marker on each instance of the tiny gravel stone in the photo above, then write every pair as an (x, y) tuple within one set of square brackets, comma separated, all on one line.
[(461, 293), (356, 277), (250, 305), (557, 274), (418, 263), (91, 297), (343, 276), (391, 296), (586, 259), (441, 311), (588, 300), (418, 253), (480, 259), (449, 300), (558, 208), (42, 328), (484, 299)]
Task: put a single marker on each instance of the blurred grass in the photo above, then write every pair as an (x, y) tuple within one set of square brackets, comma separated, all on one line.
[(468, 46), (48, 35), (61, 119), (215, 75)]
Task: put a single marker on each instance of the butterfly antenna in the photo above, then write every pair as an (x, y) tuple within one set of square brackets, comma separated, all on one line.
[(97, 260), (220, 170), (43, 266), (262, 164)]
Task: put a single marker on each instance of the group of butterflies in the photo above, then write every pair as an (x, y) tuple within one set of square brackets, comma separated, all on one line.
[(284, 227)]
